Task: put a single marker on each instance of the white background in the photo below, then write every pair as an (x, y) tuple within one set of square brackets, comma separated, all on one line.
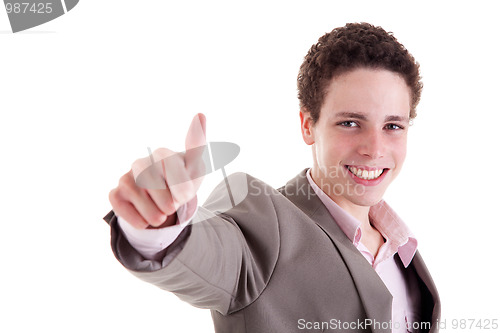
[(83, 96)]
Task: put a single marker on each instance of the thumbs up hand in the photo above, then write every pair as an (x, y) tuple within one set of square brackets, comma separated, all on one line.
[(151, 192)]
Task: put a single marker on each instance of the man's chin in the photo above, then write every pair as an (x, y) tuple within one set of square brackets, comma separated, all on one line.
[(365, 200)]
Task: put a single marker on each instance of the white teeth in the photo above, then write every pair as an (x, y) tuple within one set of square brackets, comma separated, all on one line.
[(365, 174)]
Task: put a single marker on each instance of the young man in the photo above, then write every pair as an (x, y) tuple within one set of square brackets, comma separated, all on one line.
[(322, 253)]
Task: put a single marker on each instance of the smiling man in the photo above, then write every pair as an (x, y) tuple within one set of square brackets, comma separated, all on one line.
[(323, 253), (359, 142)]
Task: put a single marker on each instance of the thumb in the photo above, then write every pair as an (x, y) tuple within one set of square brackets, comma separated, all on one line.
[(196, 158), (196, 135)]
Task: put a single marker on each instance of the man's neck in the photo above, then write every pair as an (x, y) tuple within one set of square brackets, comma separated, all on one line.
[(370, 236), (360, 213)]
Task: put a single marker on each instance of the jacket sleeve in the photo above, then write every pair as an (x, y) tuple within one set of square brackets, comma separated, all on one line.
[(225, 258)]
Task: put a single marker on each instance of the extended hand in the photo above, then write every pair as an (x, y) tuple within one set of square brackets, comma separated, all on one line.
[(177, 177)]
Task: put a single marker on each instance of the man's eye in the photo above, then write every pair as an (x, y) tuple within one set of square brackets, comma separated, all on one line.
[(393, 127), (348, 124)]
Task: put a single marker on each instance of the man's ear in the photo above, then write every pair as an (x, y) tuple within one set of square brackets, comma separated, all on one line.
[(306, 126)]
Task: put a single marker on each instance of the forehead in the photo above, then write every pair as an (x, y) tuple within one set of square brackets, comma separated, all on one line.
[(374, 92)]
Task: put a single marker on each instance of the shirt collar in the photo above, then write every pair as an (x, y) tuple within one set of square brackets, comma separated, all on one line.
[(398, 236)]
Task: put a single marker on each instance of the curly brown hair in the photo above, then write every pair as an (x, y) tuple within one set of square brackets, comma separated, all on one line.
[(346, 48)]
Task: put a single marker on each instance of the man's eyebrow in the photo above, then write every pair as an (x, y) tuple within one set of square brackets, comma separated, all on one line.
[(353, 115), (397, 118), (362, 116)]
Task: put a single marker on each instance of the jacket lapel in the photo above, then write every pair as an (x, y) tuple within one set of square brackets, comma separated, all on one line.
[(376, 298), (434, 302)]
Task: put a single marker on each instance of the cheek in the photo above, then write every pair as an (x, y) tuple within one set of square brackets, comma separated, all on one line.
[(399, 154), (336, 149)]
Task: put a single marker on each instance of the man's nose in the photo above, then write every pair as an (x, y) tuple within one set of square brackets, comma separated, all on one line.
[(372, 144)]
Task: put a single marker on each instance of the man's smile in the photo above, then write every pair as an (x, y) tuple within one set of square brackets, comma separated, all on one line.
[(367, 175)]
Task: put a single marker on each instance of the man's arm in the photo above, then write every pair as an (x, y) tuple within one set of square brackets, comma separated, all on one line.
[(223, 260), (219, 261)]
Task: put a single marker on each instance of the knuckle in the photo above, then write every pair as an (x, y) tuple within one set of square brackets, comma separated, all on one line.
[(126, 182), (156, 219), (162, 153), (123, 179), (168, 207), (198, 170), (113, 196), (118, 206), (184, 192), (140, 165)]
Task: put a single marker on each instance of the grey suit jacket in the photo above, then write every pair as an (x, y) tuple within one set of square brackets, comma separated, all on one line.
[(275, 262)]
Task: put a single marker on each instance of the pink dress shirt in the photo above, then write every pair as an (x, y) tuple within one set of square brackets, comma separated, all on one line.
[(398, 239)]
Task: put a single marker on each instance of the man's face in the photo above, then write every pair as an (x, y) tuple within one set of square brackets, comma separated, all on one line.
[(359, 140)]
